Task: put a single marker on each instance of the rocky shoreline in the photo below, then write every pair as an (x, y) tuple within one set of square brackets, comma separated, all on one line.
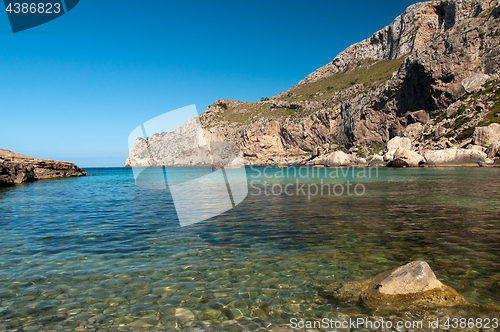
[(16, 168), (483, 150)]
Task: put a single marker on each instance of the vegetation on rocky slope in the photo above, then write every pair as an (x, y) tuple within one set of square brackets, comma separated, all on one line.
[(416, 81), (473, 110), (369, 76), (295, 103)]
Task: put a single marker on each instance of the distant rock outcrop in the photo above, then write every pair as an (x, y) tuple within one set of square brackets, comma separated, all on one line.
[(412, 286), (16, 168), (186, 146)]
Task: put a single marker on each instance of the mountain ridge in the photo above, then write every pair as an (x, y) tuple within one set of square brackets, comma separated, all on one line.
[(439, 60)]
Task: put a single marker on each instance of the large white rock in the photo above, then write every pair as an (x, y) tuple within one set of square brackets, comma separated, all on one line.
[(494, 149), (411, 278), (399, 142), (414, 129), (376, 160), (485, 136), (454, 157), (337, 158), (394, 144), (476, 147), (389, 156), (406, 158), (355, 160), (474, 82)]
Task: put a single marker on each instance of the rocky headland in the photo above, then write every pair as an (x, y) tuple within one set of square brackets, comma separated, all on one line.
[(422, 91), (16, 168)]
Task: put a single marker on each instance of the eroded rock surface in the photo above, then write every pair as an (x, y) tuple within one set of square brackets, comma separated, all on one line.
[(494, 149), (485, 136), (406, 158), (16, 168), (454, 157), (412, 286), (12, 172)]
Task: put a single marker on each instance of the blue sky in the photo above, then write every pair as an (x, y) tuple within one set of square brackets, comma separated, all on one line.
[(74, 88)]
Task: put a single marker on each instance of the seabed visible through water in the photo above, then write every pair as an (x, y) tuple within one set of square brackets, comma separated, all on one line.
[(98, 253)]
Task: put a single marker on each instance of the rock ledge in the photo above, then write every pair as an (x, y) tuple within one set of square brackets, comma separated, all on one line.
[(16, 168)]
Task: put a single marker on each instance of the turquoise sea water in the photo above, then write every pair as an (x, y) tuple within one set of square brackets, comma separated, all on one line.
[(100, 253)]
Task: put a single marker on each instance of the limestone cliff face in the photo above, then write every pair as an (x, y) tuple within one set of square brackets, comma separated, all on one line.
[(16, 168), (431, 75), (409, 31), (186, 146)]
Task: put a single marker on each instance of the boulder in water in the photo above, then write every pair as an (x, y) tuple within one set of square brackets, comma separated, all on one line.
[(411, 286)]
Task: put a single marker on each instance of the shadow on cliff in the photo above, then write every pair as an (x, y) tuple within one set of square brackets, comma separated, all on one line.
[(416, 92), (413, 99), (417, 99)]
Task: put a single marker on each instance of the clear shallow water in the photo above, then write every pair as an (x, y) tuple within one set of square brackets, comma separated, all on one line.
[(98, 252)]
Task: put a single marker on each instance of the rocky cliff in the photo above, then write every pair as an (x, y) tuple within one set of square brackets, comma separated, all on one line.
[(186, 146), (430, 76), (16, 168)]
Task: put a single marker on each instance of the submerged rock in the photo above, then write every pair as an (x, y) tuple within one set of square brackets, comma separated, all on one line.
[(184, 315), (411, 286)]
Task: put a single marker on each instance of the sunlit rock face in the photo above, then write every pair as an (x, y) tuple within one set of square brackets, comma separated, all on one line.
[(431, 76), (16, 168)]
